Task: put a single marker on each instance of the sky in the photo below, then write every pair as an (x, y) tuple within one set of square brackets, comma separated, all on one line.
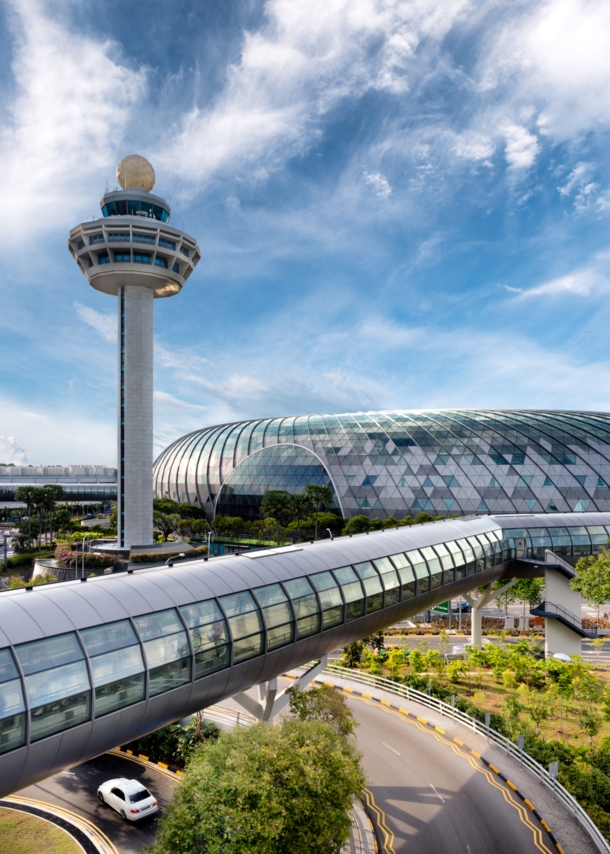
[(401, 204)]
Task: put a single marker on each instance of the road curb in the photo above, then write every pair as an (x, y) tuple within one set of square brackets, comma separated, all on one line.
[(83, 836), (145, 760)]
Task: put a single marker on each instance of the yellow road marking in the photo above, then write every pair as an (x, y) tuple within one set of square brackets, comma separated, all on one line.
[(523, 814), (153, 766), (82, 823), (388, 835)]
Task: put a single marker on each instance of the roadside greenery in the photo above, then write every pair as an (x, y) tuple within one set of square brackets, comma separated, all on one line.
[(269, 789), (592, 579)]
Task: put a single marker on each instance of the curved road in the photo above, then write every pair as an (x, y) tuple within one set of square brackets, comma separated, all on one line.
[(436, 796), (75, 790)]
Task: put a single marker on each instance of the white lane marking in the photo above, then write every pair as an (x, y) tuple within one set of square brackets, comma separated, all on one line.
[(436, 793), (390, 748)]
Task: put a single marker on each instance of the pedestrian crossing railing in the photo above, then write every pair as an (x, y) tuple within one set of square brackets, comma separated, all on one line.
[(449, 710)]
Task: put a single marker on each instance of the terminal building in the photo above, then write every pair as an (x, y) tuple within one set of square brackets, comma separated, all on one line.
[(398, 463), (81, 483)]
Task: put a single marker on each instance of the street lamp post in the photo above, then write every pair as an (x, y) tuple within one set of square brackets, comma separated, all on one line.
[(84, 538)]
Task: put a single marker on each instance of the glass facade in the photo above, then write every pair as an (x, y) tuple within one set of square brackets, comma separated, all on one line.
[(399, 463)]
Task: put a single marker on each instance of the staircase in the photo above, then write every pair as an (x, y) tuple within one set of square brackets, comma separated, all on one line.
[(556, 612)]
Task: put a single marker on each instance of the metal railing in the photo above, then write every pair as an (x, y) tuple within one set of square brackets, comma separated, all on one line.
[(501, 741), (562, 613)]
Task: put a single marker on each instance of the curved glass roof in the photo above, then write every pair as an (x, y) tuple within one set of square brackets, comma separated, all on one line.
[(403, 462)]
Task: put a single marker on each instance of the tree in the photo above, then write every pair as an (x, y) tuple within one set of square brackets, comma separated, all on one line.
[(324, 704), (166, 524), (277, 504), (302, 506), (320, 496), (526, 590), (590, 722), (52, 493), (593, 579), (265, 790), (357, 525), (27, 494)]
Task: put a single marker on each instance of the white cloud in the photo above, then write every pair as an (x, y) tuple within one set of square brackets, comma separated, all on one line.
[(474, 146), (167, 402), (521, 147), (579, 176), (379, 184), (104, 324), (306, 57), (554, 55), (10, 452), (73, 99)]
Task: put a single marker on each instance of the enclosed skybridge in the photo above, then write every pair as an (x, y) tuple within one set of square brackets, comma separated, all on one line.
[(88, 665)]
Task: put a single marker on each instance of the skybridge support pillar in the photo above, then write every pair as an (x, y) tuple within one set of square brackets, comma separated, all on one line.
[(477, 599), (270, 702)]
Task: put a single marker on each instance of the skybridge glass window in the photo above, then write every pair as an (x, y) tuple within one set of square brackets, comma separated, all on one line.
[(57, 684), (446, 562), (420, 571), (599, 537), (168, 655), (540, 542), (330, 599), (116, 666), (405, 574), (389, 579), (434, 565), (479, 554), (458, 559), (305, 604), (245, 623), (487, 549), (372, 585), (352, 592), (12, 706), (209, 636), (562, 543), (581, 542), (277, 615), (469, 556)]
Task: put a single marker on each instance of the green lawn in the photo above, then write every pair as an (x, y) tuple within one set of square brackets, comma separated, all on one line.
[(21, 833)]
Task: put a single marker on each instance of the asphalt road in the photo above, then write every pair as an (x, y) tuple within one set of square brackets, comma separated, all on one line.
[(76, 789), (435, 796)]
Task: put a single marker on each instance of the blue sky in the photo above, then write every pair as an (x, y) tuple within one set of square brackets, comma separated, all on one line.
[(399, 205)]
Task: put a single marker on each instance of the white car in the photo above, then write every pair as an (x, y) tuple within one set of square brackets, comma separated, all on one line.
[(460, 648), (129, 798)]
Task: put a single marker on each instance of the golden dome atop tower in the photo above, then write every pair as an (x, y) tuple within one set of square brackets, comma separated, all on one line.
[(135, 172)]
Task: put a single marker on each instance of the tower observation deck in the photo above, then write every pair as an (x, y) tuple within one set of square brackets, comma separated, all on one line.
[(133, 253)]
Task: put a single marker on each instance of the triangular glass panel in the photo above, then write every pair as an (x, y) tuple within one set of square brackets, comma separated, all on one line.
[(531, 503), (482, 508), (601, 483), (582, 505), (548, 482), (493, 483), (428, 482), (369, 480), (524, 480), (552, 507), (581, 478), (449, 502)]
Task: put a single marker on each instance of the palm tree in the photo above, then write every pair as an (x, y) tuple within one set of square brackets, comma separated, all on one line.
[(278, 505), (53, 493), (27, 495), (302, 506), (319, 495)]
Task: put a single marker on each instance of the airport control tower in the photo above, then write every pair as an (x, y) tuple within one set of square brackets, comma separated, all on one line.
[(133, 253)]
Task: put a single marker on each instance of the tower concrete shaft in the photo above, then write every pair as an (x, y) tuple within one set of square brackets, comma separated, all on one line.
[(135, 421)]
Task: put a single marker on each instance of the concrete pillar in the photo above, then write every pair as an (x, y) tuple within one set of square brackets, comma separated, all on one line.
[(135, 416), (557, 637)]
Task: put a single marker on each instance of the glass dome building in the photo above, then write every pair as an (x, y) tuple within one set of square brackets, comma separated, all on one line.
[(382, 464)]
